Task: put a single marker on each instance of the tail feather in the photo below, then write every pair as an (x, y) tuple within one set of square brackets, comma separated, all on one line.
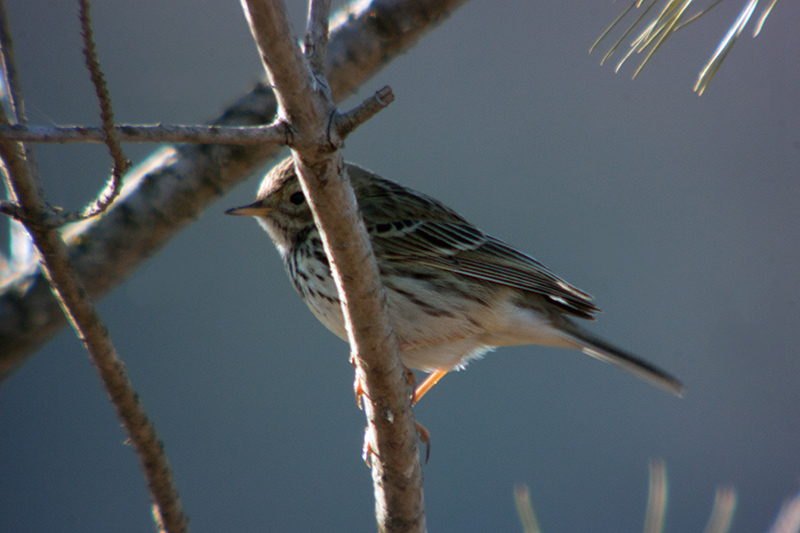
[(602, 350)]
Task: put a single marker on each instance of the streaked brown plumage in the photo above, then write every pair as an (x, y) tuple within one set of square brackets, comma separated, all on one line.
[(453, 291)]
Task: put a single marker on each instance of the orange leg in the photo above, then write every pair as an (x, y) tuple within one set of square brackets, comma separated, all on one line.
[(358, 388), (411, 377), (366, 451), (427, 385)]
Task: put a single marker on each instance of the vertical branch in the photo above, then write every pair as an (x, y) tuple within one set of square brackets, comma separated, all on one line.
[(82, 315), (21, 247), (315, 44), (121, 163), (10, 68), (307, 106)]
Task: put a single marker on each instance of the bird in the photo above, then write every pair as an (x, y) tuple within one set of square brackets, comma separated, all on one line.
[(453, 292)]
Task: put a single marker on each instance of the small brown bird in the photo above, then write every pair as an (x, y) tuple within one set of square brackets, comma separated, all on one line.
[(453, 292)]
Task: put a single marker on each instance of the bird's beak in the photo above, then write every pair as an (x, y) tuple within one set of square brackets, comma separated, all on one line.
[(256, 209)]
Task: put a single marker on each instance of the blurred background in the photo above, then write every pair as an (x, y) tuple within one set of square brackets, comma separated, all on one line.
[(678, 213)]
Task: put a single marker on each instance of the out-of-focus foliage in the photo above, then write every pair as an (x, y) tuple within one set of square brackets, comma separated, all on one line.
[(647, 35)]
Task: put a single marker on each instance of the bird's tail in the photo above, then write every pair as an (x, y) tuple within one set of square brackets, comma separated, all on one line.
[(602, 350)]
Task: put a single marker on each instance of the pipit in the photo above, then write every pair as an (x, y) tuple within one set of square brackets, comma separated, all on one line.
[(453, 292)]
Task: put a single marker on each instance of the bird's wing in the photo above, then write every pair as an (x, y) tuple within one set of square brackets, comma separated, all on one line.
[(461, 248)]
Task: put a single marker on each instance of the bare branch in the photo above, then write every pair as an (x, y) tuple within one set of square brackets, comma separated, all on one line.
[(77, 306), (306, 101), (20, 245), (277, 134), (287, 62), (121, 163), (176, 184), (87, 323), (344, 124), (315, 44), (9, 66)]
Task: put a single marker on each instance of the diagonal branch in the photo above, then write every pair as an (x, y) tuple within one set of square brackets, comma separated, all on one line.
[(307, 105), (77, 306), (71, 295)]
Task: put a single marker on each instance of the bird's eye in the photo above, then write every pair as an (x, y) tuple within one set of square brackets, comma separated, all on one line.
[(297, 198)]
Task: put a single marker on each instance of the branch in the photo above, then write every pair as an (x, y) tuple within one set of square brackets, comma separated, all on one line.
[(176, 184), (83, 316), (345, 123), (315, 43), (77, 306), (306, 102), (121, 163), (276, 134), (20, 245), (15, 100)]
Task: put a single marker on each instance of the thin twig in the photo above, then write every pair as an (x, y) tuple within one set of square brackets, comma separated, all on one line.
[(83, 316), (345, 123), (391, 434), (276, 134), (9, 66), (20, 244), (77, 306), (121, 163)]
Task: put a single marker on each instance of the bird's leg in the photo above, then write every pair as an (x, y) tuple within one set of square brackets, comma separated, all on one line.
[(411, 377), (358, 388), (358, 384), (367, 451), (424, 438), (427, 385)]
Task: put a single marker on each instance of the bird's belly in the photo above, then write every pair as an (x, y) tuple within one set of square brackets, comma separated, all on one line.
[(434, 341), (443, 331), (437, 329)]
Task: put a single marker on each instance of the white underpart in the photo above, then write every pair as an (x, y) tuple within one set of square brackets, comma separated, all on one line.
[(430, 343)]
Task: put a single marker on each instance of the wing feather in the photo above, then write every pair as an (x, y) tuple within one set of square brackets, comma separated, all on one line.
[(463, 249)]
